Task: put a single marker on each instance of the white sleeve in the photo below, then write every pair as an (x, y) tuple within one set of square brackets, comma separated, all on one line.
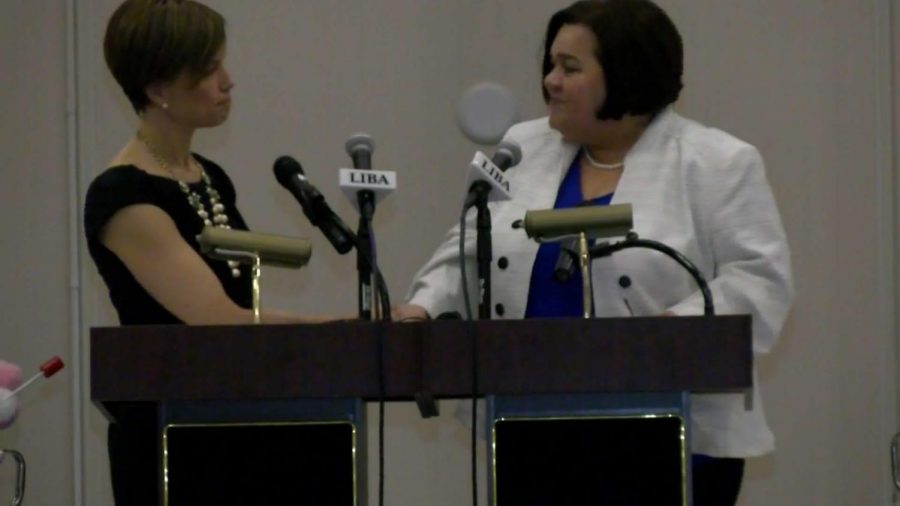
[(437, 287), (739, 221)]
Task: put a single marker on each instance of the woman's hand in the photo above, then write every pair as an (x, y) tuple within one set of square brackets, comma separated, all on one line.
[(409, 313)]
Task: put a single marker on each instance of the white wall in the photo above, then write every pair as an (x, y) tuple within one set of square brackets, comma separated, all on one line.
[(806, 81)]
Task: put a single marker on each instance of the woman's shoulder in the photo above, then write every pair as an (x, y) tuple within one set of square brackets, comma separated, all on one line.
[(119, 177), (117, 187), (532, 130), (707, 140)]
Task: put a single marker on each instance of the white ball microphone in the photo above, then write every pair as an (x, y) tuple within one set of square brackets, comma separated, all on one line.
[(485, 112)]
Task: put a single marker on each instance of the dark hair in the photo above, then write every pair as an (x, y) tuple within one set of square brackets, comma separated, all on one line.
[(638, 48), (152, 41)]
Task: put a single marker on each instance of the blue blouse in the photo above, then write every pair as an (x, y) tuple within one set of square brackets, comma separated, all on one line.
[(548, 298)]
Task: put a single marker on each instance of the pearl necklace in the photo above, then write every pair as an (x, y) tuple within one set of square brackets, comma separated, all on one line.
[(604, 166), (219, 218)]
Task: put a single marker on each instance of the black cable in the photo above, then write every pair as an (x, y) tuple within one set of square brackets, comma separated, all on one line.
[(632, 241), (462, 263), (474, 344), (381, 292), (383, 295), (379, 332), (385, 316)]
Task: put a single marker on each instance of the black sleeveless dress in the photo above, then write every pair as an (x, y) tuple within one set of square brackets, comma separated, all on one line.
[(120, 187), (133, 438)]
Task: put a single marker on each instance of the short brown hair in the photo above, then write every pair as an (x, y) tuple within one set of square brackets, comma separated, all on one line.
[(151, 41)]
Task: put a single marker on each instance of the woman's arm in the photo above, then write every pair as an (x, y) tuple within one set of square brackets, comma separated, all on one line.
[(747, 240), (147, 241)]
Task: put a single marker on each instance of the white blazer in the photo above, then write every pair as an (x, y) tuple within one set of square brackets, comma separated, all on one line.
[(694, 188)]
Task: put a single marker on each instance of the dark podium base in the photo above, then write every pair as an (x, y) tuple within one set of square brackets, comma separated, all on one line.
[(289, 464), (188, 374), (617, 460), (285, 453), (589, 450)]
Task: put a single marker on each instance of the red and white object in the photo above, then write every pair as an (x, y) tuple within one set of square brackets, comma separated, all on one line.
[(11, 377)]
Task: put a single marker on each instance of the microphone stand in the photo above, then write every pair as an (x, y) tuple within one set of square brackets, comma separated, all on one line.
[(478, 198), (364, 255), (369, 307)]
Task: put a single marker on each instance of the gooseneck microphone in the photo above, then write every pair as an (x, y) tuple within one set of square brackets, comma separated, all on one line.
[(289, 174)]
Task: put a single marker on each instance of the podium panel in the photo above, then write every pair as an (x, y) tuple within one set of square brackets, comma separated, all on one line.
[(607, 449), (288, 452), (259, 463)]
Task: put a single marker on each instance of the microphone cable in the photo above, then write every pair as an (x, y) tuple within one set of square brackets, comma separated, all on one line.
[(381, 292), (633, 241), (473, 339)]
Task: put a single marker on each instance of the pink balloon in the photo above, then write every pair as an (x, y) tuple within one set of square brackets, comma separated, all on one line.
[(10, 375)]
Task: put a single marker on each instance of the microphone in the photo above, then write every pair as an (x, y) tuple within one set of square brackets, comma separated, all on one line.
[(289, 174), (486, 175), (568, 255), (508, 154), (363, 186), (227, 244), (565, 262), (360, 147)]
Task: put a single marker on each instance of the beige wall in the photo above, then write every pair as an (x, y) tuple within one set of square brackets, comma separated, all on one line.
[(34, 305), (806, 81)]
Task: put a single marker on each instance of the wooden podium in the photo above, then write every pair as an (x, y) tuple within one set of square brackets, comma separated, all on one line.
[(290, 374)]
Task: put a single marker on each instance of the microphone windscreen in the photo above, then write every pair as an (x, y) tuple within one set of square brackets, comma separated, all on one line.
[(508, 154), (595, 221), (272, 249), (285, 168), (359, 141), (9, 406)]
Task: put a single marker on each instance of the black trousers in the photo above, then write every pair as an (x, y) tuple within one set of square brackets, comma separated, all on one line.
[(717, 482), (134, 449)]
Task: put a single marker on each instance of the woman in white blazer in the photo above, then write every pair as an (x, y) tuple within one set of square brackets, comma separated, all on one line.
[(611, 71)]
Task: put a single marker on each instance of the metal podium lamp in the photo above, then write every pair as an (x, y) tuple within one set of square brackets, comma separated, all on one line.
[(595, 222), (592, 222), (254, 249)]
